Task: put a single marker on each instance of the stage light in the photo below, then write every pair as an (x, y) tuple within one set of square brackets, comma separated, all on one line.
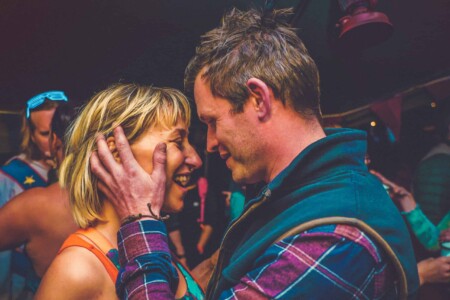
[(362, 26)]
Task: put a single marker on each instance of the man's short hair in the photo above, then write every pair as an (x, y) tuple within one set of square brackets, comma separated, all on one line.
[(27, 146), (261, 45)]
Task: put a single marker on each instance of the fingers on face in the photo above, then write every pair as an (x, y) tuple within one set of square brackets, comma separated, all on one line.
[(98, 169), (111, 142), (123, 148), (159, 156), (105, 190), (104, 155)]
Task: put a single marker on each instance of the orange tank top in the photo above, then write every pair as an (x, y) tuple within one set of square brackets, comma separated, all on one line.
[(97, 244)]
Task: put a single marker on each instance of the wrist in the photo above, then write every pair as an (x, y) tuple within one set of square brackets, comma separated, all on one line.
[(180, 255), (136, 217), (408, 205)]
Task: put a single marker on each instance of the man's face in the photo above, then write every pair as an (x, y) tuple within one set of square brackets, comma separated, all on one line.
[(231, 134), (40, 135)]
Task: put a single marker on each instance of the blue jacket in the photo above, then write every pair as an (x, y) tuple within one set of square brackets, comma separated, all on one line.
[(327, 183)]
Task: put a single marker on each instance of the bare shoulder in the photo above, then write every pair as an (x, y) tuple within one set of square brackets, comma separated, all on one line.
[(74, 274)]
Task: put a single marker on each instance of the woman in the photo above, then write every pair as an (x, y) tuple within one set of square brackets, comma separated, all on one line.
[(87, 264)]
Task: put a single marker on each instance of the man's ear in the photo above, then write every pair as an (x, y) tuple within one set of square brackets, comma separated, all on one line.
[(260, 97), (111, 142)]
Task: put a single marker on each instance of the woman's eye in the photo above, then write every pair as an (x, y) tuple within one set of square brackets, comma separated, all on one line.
[(179, 144)]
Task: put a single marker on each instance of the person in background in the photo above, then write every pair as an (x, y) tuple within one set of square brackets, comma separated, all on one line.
[(431, 183), (431, 270), (27, 170), (86, 266), (321, 227), (40, 218)]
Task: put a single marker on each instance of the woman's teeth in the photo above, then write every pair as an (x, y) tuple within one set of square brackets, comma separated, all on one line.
[(182, 180)]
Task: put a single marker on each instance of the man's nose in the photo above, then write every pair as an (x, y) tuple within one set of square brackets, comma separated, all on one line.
[(211, 142)]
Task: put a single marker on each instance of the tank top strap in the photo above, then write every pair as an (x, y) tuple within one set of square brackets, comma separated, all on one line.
[(76, 240), (194, 291), (97, 238)]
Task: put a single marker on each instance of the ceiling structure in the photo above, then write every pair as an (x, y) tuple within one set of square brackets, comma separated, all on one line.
[(83, 46)]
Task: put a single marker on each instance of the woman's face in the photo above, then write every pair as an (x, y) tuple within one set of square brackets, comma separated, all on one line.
[(182, 160)]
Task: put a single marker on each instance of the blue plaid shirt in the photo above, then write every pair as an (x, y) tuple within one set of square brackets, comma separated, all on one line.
[(332, 261)]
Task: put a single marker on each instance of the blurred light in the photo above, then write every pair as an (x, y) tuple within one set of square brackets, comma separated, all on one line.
[(373, 123), (433, 104)]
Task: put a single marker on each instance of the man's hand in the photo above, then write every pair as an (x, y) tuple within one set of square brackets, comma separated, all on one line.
[(397, 193), (434, 270), (126, 184)]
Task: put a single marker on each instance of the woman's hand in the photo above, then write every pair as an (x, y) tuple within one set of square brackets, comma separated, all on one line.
[(397, 193), (125, 183), (434, 270)]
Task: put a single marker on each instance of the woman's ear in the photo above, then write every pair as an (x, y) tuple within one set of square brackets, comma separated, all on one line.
[(260, 96), (111, 142)]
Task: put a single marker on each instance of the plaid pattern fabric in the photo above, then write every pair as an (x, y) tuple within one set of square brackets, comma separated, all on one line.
[(146, 270), (326, 262)]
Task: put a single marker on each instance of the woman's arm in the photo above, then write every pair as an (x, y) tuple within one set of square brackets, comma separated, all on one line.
[(423, 228)]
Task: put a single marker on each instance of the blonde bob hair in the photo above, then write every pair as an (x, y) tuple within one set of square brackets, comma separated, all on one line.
[(135, 108)]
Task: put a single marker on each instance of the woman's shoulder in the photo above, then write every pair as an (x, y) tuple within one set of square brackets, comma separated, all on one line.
[(75, 273)]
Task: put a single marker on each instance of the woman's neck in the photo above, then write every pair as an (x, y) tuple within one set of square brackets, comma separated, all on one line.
[(111, 225)]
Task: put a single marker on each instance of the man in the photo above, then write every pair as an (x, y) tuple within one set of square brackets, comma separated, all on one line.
[(321, 228), (431, 182), (30, 168)]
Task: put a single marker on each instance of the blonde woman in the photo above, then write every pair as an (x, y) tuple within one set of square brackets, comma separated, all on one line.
[(87, 264)]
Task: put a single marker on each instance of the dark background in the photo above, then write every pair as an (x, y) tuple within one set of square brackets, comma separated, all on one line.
[(83, 46)]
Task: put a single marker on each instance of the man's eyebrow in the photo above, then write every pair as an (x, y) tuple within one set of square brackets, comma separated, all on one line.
[(204, 119)]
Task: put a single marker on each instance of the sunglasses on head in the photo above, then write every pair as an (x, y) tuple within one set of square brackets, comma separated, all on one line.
[(39, 99)]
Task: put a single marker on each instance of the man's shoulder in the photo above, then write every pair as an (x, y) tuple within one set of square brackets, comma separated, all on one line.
[(335, 237), (338, 259)]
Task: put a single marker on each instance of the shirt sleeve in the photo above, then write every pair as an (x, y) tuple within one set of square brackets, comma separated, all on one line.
[(146, 270), (336, 260), (425, 231)]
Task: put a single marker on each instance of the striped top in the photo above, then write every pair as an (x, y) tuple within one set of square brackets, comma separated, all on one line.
[(331, 260)]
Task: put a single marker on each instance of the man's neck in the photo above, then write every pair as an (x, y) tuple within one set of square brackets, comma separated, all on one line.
[(291, 136)]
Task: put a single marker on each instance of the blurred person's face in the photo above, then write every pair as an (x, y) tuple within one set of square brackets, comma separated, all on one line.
[(182, 160), (41, 121), (56, 149), (231, 134)]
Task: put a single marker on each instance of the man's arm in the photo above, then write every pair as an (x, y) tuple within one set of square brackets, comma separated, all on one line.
[(146, 269), (331, 259)]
